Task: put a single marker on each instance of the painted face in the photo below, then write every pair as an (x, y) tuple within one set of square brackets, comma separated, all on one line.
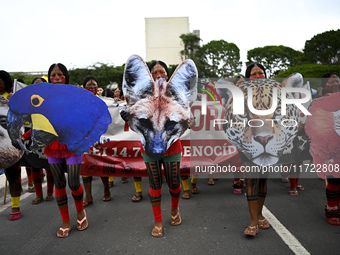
[(256, 73), (158, 72), (2, 86), (57, 76), (92, 86)]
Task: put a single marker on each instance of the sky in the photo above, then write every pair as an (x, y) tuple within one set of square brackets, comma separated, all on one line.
[(80, 33)]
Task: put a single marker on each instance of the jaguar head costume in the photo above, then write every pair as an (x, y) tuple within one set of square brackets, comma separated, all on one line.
[(263, 139)]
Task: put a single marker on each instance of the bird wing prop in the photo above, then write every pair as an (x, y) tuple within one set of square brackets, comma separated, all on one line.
[(73, 115)]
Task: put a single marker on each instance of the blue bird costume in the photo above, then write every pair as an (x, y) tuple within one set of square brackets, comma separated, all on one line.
[(63, 117)]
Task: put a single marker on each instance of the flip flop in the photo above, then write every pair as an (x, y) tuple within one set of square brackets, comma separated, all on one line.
[(211, 182), (65, 232), (87, 203), (176, 219), (157, 231), (293, 193), (264, 224), (285, 180), (136, 198), (238, 191), (186, 195), (37, 200), (49, 198), (80, 222), (194, 189), (15, 215), (107, 198), (251, 231), (300, 187)]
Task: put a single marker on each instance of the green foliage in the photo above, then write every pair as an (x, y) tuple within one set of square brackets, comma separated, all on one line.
[(26, 78), (324, 48), (104, 73), (275, 58), (311, 72), (191, 44), (220, 59)]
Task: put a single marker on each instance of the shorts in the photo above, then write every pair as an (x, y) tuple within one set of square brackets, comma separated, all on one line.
[(73, 160), (171, 158)]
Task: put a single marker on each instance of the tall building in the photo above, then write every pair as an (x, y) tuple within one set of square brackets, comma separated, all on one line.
[(162, 38)]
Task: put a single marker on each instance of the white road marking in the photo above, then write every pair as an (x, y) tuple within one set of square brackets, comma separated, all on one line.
[(284, 233)]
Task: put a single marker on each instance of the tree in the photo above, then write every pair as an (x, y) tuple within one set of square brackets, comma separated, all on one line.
[(220, 59), (191, 44), (324, 48), (104, 73), (310, 72), (275, 58)]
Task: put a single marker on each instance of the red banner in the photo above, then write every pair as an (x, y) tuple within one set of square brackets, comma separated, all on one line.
[(121, 156)]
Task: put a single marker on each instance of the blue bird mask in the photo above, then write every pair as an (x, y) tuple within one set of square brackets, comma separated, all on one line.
[(73, 115)]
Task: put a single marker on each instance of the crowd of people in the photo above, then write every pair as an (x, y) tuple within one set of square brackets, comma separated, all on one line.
[(61, 160)]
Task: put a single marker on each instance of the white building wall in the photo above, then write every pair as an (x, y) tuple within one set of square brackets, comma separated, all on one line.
[(162, 38)]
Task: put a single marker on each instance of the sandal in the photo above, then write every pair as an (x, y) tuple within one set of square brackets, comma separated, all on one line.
[(264, 224), (107, 198), (186, 194), (124, 180), (80, 222), (194, 189), (285, 180), (293, 193), (65, 232), (333, 221), (37, 200), (110, 184), (251, 231), (49, 198), (300, 187), (86, 203), (157, 231), (211, 181), (176, 219), (31, 189), (136, 198), (333, 216), (238, 191), (15, 215)]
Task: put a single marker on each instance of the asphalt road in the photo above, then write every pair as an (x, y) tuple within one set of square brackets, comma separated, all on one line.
[(212, 223)]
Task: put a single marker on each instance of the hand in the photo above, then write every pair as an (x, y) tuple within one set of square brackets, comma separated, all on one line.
[(124, 115), (191, 122), (300, 126)]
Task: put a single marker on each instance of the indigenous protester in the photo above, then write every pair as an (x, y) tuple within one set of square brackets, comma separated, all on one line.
[(13, 172), (256, 186), (90, 83), (323, 128), (156, 151), (58, 154)]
